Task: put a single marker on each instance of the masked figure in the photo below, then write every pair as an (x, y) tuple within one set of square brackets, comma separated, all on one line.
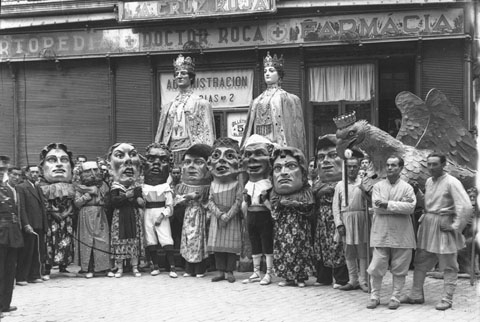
[(159, 205), (328, 243), (127, 204), (93, 245), (193, 192), (256, 205), (276, 114), (292, 205), (188, 119), (225, 233), (57, 164)]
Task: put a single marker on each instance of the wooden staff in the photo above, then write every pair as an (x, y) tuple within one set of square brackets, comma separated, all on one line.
[(474, 244)]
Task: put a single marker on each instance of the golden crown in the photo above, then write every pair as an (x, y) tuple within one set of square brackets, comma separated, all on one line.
[(344, 120), (274, 61), (184, 63)]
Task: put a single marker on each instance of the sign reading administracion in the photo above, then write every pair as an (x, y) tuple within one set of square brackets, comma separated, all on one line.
[(174, 9), (225, 88), (314, 30)]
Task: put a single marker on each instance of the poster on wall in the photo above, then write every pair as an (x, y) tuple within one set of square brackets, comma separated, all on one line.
[(236, 125), (223, 89)]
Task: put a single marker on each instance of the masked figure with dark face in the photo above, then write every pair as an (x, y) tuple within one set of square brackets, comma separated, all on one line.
[(159, 205), (292, 205), (328, 243), (256, 205), (57, 164), (194, 192), (225, 236), (127, 203), (93, 244)]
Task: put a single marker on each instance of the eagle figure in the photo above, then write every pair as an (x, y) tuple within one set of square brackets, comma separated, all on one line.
[(427, 126)]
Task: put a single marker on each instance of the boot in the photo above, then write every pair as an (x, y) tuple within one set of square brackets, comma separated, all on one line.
[(352, 276), (416, 294), (219, 277), (267, 279), (255, 277), (398, 284), (362, 274), (449, 284)]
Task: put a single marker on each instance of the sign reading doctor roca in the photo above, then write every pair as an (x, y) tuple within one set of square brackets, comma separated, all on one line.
[(174, 9), (305, 31), (229, 88)]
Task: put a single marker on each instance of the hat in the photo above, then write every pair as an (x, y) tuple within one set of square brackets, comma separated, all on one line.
[(326, 141), (4, 161), (199, 150)]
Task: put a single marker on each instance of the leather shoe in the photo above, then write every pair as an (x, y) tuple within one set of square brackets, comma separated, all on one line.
[(22, 283), (373, 303), (407, 299), (443, 305), (218, 278), (37, 280), (348, 287), (10, 309), (230, 278), (393, 304), (364, 287), (286, 283)]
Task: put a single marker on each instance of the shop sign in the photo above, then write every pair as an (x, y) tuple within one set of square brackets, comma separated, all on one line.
[(176, 9), (324, 30), (236, 125), (223, 89)]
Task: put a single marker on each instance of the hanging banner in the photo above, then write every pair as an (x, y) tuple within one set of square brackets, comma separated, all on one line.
[(175, 9), (223, 89), (314, 31)]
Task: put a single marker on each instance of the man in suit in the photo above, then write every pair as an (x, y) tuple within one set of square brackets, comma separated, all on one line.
[(34, 224), (10, 240)]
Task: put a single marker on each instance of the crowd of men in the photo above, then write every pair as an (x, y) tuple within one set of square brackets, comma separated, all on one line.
[(303, 218), (24, 225)]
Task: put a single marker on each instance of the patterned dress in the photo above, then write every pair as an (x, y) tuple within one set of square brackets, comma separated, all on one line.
[(193, 246), (292, 249), (327, 243), (59, 238), (126, 230)]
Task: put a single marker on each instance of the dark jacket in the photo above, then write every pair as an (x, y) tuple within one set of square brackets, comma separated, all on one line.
[(32, 206), (10, 233)]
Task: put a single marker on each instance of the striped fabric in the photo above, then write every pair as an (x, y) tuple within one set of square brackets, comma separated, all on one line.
[(227, 239)]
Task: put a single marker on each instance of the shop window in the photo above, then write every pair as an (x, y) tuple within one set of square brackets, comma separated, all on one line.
[(395, 76), (340, 89)]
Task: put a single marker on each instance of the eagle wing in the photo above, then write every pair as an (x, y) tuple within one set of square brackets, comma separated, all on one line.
[(436, 124)]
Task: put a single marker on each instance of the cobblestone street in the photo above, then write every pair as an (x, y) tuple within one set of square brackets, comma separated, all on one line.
[(161, 298)]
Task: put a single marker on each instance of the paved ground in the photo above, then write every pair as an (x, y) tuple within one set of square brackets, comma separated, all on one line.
[(161, 298)]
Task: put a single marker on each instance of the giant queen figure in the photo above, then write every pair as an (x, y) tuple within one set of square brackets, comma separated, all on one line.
[(188, 119), (276, 114)]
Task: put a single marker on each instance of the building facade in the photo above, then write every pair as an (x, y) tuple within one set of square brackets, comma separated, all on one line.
[(92, 73)]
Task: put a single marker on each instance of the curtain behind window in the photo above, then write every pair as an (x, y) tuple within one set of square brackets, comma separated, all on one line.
[(341, 83)]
